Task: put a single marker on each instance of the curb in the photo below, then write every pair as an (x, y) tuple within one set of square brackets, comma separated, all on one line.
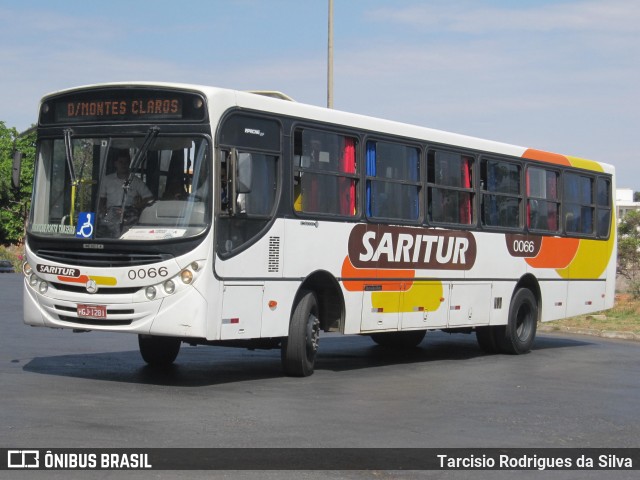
[(592, 332)]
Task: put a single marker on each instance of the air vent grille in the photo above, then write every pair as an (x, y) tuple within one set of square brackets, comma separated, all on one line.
[(274, 254)]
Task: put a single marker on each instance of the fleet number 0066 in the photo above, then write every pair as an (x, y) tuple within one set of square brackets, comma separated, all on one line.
[(142, 273)]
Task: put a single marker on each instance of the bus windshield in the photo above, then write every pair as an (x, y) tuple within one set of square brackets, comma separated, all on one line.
[(128, 188)]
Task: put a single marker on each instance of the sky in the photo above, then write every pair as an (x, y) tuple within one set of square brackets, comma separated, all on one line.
[(561, 76)]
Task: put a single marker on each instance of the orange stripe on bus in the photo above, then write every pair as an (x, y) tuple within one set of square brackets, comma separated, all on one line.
[(555, 252), (110, 281), (548, 157), (80, 279), (374, 274)]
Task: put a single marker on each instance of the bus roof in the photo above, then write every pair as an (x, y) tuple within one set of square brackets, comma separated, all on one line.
[(278, 102)]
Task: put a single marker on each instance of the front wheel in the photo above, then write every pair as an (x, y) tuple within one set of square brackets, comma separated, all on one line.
[(523, 321), (158, 351), (298, 350)]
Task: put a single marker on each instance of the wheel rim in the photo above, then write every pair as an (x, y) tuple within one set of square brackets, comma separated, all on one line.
[(313, 335)]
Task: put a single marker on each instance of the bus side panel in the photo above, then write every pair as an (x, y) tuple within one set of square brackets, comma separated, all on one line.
[(259, 262), (424, 306), (241, 311), (353, 308), (501, 293), (275, 318), (585, 297), (469, 304), (554, 300)]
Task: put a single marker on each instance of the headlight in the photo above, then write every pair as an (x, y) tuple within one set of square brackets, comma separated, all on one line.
[(26, 269), (150, 292), (33, 280), (169, 287), (43, 287)]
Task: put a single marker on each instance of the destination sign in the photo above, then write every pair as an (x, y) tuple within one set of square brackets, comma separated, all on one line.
[(163, 107), (123, 106)]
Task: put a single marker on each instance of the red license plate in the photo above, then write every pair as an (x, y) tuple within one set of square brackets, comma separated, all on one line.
[(92, 311)]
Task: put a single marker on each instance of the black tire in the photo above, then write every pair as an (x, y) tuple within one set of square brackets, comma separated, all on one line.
[(298, 350), (523, 321), (158, 351), (405, 339), (490, 338)]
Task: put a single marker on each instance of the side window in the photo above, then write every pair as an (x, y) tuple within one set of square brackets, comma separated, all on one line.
[(578, 204), (543, 204), (247, 180), (393, 181), (603, 204), (450, 192), (255, 194), (501, 194), (325, 179)]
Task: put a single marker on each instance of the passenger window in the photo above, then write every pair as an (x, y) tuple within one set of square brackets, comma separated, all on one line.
[(543, 204), (578, 204), (393, 181), (501, 194), (450, 182), (603, 203), (325, 179)]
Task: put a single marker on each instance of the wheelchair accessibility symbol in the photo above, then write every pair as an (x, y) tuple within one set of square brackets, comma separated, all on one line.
[(85, 226)]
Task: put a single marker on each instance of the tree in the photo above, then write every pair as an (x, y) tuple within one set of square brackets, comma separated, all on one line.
[(629, 250), (14, 204)]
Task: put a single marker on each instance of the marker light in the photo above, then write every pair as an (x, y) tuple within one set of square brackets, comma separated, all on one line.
[(186, 276), (195, 266), (150, 292)]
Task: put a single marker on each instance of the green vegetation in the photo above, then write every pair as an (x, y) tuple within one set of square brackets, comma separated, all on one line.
[(629, 251), (14, 203)]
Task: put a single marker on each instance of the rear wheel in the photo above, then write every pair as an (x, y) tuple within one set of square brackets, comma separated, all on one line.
[(490, 338), (158, 351), (406, 339), (298, 351), (523, 321)]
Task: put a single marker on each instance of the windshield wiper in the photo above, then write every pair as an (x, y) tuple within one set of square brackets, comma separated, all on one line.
[(137, 160), (135, 163), (69, 154), (68, 147)]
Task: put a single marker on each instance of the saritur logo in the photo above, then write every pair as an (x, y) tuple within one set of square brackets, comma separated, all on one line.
[(381, 246)]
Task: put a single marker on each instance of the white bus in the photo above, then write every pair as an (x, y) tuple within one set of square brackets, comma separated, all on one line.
[(194, 214)]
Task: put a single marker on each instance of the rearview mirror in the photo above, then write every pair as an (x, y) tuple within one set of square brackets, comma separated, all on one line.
[(15, 173)]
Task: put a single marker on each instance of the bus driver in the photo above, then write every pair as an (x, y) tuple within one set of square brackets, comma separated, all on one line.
[(111, 190), (111, 210)]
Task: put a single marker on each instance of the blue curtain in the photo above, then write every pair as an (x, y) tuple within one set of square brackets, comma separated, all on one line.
[(371, 172)]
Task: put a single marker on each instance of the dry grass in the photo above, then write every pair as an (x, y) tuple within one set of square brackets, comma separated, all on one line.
[(623, 317)]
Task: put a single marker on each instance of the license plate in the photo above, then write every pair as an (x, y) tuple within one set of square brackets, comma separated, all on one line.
[(92, 311)]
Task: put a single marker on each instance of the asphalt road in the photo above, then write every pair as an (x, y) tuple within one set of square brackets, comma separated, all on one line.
[(71, 390)]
